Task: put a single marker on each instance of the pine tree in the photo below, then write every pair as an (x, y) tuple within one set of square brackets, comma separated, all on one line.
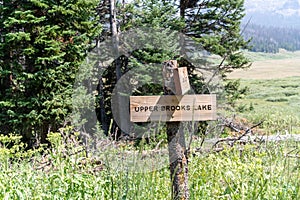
[(42, 45), (214, 25), (155, 15)]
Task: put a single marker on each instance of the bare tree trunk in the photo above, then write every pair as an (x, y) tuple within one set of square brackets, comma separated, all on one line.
[(101, 109), (182, 8), (115, 36), (185, 4), (116, 132), (103, 10), (176, 142)]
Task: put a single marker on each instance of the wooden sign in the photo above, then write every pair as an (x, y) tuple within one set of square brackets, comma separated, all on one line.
[(181, 80), (173, 108)]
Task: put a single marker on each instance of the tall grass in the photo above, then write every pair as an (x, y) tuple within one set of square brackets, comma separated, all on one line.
[(242, 172)]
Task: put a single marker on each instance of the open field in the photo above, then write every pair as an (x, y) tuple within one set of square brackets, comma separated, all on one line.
[(274, 91), (274, 101), (270, 66), (270, 69)]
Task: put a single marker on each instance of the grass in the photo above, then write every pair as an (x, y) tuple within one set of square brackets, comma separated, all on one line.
[(255, 172), (274, 96), (283, 54), (270, 66), (276, 102), (250, 174)]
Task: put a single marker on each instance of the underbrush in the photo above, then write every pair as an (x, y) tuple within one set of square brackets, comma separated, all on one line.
[(66, 171)]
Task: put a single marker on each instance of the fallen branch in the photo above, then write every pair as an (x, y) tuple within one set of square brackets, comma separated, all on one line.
[(292, 156), (295, 155), (234, 127)]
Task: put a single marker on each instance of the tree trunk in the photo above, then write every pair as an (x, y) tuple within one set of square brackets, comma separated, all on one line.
[(182, 8), (116, 132), (101, 114), (115, 36), (176, 141)]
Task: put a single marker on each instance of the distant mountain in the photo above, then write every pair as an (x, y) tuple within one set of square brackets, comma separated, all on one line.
[(276, 13), (271, 39), (272, 24), (291, 4)]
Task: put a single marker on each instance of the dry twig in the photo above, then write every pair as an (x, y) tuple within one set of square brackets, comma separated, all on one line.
[(235, 128)]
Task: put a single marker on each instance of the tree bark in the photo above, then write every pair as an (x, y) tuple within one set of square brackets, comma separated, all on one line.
[(176, 141), (182, 8), (115, 36), (116, 132)]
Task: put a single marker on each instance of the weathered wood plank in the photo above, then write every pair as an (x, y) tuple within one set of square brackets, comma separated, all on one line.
[(171, 108), (181, 80)]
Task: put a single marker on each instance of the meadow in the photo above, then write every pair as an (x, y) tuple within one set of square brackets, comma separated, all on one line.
[(273, 81), (276, 102), (270, 66), (260, 170), (267, 171)]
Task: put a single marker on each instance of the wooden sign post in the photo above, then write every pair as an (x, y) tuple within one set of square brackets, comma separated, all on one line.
[(176, 141), (173, 108)]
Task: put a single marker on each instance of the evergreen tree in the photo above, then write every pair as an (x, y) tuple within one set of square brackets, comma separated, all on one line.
[(160, 17), (215, 25), (42, 44)]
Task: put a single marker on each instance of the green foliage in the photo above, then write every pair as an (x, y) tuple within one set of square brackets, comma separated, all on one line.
[(42, 45), (160, 17), (12, 149), (245, 172), (156, 14), (44, 42), (216, 26), (265, 173), (234, 92)]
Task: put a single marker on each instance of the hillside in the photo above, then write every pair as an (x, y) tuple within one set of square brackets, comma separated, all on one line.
[(284, 13), (272, 25), (271, 39)]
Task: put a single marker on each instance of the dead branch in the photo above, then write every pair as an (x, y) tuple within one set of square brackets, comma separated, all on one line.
[(294, 155), (237, 128)]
